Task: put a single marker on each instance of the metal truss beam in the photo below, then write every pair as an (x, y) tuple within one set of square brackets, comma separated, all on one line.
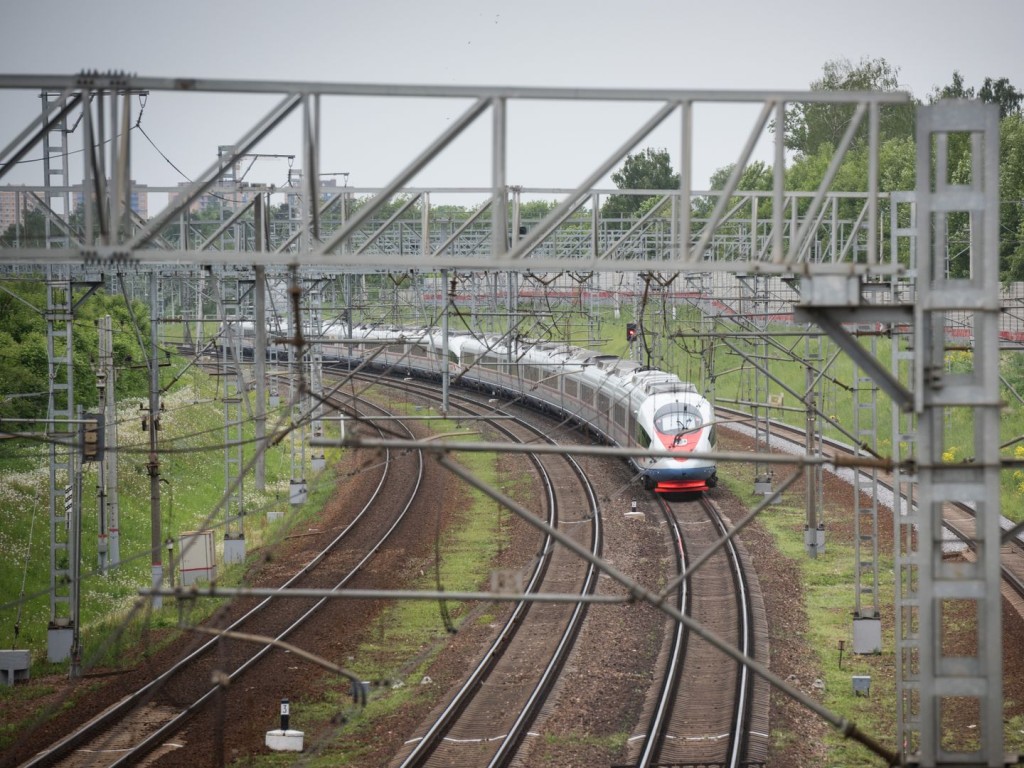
[(536, 250), (825, 318), (946, 677)]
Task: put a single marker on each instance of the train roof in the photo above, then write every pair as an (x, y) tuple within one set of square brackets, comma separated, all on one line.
[(629, 372)]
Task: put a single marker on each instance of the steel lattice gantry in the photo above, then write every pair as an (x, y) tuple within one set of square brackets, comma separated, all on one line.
[(936, 679), (112, 237), (942, 692), (64, 490), (789, 242)]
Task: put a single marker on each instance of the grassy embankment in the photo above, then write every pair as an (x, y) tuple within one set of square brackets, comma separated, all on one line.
[(192, 486)]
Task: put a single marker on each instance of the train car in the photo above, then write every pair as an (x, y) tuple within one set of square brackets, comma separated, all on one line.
[(620, 401), (624, 403)]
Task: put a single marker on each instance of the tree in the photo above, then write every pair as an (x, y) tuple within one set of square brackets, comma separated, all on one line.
[(1011, 175), (1011, 195), (30, 234), (955, 90), (1002, 93), (535, 210), (389, 207), (649, 169), (755, 177), (24, 367), (811, 125)]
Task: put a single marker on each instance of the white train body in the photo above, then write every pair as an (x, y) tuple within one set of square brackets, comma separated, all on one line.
[(625, 403)]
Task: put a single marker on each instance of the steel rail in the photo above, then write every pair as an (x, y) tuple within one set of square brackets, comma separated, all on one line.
[(658, 730), (1014, 580), (677, 651), (744, 684), (427, 743), (506, 751), (159, 735)]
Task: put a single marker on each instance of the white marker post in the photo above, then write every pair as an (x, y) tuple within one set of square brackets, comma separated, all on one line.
[(284, 739)]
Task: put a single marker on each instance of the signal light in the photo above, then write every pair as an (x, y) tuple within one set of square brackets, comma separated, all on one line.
[(631, 332), (91, 437)]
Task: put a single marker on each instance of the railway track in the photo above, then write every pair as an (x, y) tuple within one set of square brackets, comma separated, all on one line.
[(478, 726), (728, 726), (485, 721), (959, 519), (144, 721)]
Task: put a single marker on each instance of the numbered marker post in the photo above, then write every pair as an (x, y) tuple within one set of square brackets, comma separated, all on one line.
[(284, 739)]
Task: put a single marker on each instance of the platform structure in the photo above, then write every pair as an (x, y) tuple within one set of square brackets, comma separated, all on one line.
[(797, 237)]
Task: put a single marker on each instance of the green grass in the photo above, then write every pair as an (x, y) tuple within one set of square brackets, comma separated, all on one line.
[(195, 485), (607, 741), (828, 595)]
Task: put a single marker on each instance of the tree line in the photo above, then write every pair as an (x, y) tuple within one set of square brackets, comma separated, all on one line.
[(24, 361), (813, 132)]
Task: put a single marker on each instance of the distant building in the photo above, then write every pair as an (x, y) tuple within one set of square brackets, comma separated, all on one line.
[(16, 200), (295, 183), (138, 200), (13, 200), (220, 196)]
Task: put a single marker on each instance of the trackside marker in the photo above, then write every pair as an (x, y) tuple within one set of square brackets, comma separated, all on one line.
[(284, 739)]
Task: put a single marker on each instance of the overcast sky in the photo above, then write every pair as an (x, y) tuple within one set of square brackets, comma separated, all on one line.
[(640, 44)]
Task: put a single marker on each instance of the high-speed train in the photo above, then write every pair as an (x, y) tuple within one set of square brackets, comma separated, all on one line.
[(623, 402)]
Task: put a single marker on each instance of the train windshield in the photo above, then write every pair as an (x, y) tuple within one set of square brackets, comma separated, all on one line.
[(677, 418)]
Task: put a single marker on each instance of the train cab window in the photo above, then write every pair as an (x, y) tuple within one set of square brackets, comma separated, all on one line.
[(604, 403), (572, 388), (677, 418)]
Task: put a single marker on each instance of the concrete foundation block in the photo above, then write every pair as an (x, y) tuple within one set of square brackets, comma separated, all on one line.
[(14, 665), (285, 741), (867, 635)]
